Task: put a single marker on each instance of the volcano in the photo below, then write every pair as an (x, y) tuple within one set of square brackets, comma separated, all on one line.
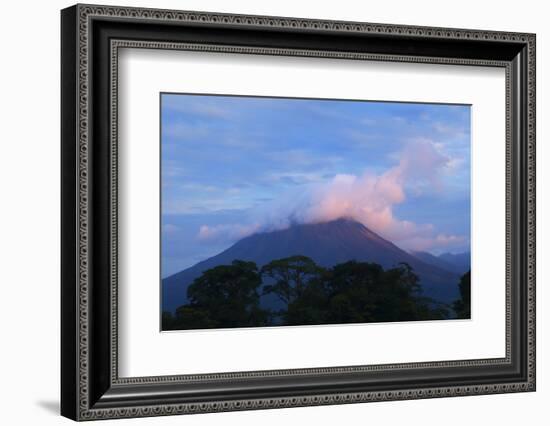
[(328, 244)]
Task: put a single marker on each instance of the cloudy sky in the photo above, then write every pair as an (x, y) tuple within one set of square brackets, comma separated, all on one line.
[(232, 166)]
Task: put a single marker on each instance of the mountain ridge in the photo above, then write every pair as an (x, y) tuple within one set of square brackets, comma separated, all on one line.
[(459, 263)]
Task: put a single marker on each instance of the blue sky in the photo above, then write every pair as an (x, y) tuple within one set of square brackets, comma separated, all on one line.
[(232, 166)]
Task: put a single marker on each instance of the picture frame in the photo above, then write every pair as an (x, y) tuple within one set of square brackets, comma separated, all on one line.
[(91, 387)]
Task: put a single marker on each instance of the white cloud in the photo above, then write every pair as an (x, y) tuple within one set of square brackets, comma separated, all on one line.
[(230, 232)]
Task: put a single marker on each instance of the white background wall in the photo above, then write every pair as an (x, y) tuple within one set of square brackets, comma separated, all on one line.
[(29, 212)]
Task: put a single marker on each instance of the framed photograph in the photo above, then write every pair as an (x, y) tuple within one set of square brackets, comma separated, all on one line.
[(263, 212)]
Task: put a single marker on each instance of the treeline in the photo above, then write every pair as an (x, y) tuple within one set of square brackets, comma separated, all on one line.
[(228, 296)]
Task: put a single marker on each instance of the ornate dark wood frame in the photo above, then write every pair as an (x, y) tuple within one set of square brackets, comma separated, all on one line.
[(91, 37)]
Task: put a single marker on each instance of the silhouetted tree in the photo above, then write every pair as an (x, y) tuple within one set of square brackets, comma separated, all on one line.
[(462, 305), (224, 296), (167, 320), (365, 292), (311, 305), (194, 317), (352, 292), (291, 276)]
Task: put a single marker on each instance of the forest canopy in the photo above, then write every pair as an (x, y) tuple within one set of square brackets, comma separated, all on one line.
[(228, 296)]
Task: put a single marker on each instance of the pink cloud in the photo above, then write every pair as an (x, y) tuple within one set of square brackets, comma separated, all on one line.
[(369, 198)]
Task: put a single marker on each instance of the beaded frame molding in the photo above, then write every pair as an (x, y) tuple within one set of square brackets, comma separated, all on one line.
[(91, 39)]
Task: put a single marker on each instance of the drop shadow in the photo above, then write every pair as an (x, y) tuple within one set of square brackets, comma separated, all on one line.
[(50, 406)]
